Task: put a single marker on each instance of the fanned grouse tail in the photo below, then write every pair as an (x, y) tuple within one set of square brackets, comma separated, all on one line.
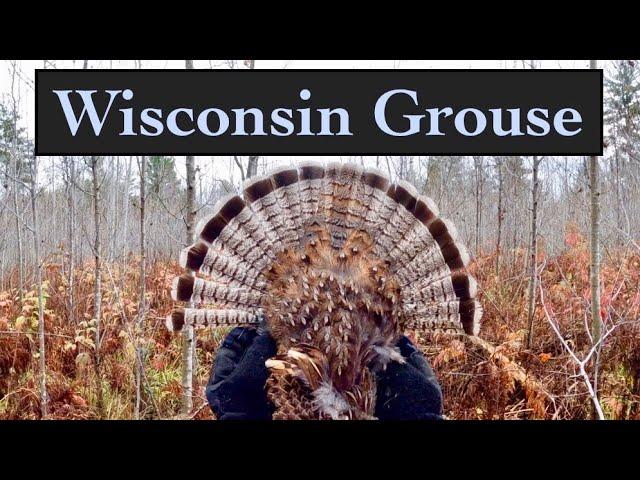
[(339, 262)]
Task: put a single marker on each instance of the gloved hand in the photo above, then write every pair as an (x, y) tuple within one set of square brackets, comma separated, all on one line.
[(236, 391), (408, 391), (236, 387)]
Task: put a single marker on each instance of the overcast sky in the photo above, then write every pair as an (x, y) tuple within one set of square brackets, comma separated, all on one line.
[(25, 94)]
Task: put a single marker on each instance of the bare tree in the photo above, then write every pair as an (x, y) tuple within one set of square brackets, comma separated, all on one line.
[(479, 182), (594, 270), (95, 164), (252, 162), (142, 164), (252, 166), (533, 250), (16, 172), (125, 190), (69, 178), (36, 251), (594, 190), (500, 214), (188, 345), (28, 180), (581, 363), (238, 162)]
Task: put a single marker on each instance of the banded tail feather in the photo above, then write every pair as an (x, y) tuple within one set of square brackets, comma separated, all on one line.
[(336, 262), (203, 317)]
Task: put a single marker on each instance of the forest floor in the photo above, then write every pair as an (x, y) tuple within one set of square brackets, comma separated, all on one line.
[(497, 377)]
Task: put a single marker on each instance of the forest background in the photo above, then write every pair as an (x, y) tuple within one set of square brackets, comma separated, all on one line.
[(89, 247)]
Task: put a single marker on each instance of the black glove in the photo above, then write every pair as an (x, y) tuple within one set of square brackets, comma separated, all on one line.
[(236, 391), (408, 391), (236, 388)]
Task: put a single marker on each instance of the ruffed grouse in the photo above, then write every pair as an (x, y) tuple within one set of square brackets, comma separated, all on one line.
[(336, 262)]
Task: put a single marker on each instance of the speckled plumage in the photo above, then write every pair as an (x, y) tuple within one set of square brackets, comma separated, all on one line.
[(338, 262)]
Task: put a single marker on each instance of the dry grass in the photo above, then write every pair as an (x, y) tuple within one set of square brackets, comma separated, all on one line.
[(496, 378)]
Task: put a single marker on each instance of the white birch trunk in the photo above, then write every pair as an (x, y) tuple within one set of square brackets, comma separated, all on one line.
[(188, 345)]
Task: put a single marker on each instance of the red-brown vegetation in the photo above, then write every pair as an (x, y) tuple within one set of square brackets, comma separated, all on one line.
[(493, 378)]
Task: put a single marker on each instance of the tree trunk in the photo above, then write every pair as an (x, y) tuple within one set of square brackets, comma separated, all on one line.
[(516, 200), (97, 272), (127, 201), (71, 219), (38, 263), (143, 305), (252, 166), (188, 345), (534, 252), (17, 172), (478, 171), (500, 217), (596, 317), (596, 321)]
